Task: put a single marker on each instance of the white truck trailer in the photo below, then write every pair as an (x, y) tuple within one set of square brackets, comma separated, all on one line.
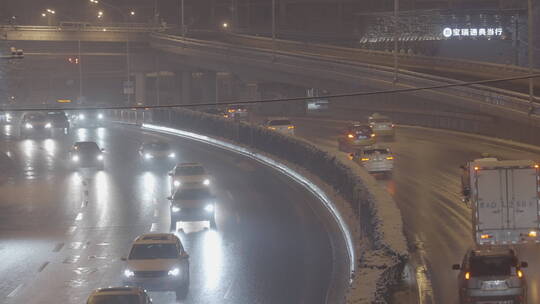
[(504, 199)]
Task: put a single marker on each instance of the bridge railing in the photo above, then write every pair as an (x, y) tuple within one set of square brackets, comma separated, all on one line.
[(135, 27)]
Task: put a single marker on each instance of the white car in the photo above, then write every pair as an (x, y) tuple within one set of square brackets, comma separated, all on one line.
[(193, 204), (158, 262), (281, 125), (375, 159), (188, 175), (124, 295)]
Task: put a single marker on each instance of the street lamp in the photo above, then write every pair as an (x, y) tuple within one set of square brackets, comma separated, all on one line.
[(100, 14), (48, 13)]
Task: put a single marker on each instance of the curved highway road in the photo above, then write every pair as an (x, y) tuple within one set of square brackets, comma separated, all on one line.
[(63, 232), (426, 186)]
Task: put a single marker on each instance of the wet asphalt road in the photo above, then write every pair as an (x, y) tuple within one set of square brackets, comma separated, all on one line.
[(426, 187), (63, 231)]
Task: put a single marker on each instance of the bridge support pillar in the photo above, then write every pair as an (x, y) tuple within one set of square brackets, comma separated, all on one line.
[(210, 86), (140, 88), (185, 87)]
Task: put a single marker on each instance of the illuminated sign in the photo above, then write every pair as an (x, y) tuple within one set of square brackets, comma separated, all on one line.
[(472, 32)]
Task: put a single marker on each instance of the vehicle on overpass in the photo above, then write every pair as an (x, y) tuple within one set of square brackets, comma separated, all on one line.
[(280, 124), (59, 120), (504, 199), (215, 111), (382, 125), (188, 175), (150, 152), (127, 295), (491, 276), (375, 159), (158, 262), (6, 118), (192, 205), (355, 137), (35, 124), (238, 112), (88, 118), (87, 154)]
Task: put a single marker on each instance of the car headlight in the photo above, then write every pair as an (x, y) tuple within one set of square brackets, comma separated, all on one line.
[(172, 155), (8, 116), (148, 155), (48, 125), (177, 183), (100, 157), (81, 116), (75, 158), (100, 116), (128, 273), (206, 182), (209, 208), (28, 126), (174, 272), (175, 209)]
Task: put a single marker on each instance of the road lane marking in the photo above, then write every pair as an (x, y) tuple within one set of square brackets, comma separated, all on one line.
[(229, 290), (15, 291), (43, 266), (71, 230), (153, 228), (79, 216), (72, 259), (58, 247), (425, 289)]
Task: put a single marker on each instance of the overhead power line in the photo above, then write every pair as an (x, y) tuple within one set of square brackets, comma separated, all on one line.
[(263, 101)]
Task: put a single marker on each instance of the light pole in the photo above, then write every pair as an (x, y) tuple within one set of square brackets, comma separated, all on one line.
[(126, 19), (182, 24), (396, 23), (531, 52)]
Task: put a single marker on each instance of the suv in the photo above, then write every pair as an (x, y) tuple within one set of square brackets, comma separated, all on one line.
[(34, 124), (491, 276), (188, 175), (59, 120), (124, 295), (158, 262), (87, 154), (193, 204), (382, 125)]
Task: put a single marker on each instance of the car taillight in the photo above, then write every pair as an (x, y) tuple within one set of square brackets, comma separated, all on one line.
[(373, 135), (290, 127), (467, 275), (485, 236), (365, 158), (350, 136), (390, 157), (520, 273)]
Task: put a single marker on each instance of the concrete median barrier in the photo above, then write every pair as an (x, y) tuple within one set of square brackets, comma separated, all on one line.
[(379, 250)]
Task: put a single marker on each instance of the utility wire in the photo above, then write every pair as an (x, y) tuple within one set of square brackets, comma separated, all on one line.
[(249, 102)]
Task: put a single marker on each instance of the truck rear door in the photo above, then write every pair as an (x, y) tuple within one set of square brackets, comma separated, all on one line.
[(522, 198), (491, 193)]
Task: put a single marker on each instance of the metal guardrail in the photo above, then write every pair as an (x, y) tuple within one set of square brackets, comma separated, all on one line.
[(382, 58), (93, 28)]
